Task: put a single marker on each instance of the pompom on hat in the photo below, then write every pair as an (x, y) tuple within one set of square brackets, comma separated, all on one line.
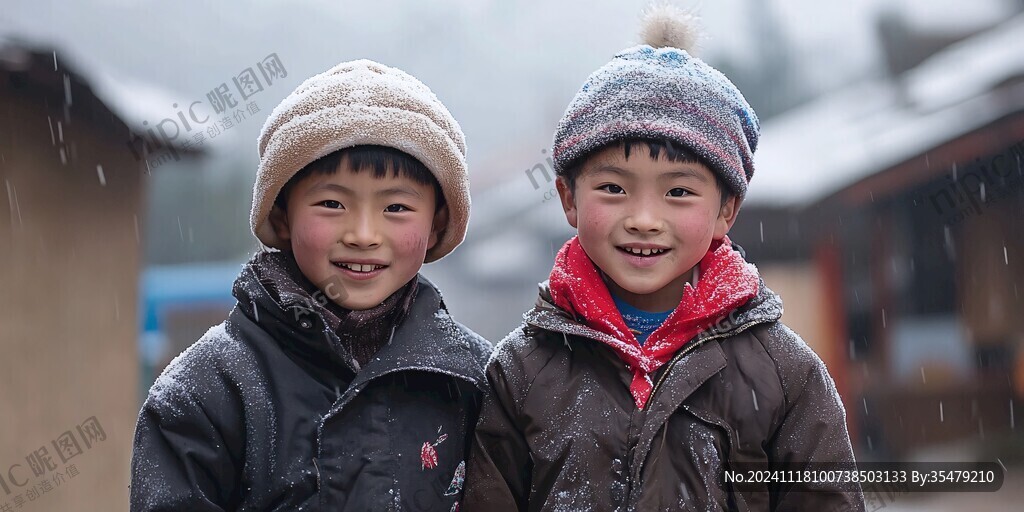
[(658, 90), (362, 103)]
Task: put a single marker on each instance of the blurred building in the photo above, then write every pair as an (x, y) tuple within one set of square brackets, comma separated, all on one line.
[(179, 303), (73, 177), (901, 201)]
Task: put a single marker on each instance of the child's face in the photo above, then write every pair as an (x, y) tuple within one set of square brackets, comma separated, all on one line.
[(621, 206), (361, 236)]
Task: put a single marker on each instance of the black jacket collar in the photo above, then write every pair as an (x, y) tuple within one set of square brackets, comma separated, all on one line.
[(279, 299)]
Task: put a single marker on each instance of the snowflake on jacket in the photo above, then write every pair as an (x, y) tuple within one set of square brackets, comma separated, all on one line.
[(582, 417), (270, 411)]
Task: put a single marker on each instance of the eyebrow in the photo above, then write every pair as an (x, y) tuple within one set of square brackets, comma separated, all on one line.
[(334, 187), (683, 172), (610, 169), (686, 173), (399, 191)]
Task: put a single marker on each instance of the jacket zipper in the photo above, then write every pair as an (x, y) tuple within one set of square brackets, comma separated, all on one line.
[(686, 350), (692, 346), (319, 486)]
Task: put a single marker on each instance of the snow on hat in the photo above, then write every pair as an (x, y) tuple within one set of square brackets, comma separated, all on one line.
[(658, 90), (362, 103)]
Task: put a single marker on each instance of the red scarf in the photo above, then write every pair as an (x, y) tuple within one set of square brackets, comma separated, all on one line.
[(726, 282)]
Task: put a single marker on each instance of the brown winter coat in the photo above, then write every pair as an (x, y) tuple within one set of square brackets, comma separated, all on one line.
[(560, 430)]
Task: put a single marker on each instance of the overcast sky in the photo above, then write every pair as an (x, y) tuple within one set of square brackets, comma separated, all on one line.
[(505, 69)]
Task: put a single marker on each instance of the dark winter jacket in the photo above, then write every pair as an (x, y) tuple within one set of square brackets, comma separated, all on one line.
[(560, 430), (267, 411)]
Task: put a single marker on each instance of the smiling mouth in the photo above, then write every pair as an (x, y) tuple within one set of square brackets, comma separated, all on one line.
[(356, 267), (642, 252)]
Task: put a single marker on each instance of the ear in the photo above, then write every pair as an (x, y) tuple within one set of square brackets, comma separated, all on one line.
[(565, 194), (726, 217), (439, 225), (279, 221)]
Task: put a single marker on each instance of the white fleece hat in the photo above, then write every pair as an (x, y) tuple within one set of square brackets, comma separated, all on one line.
[(362, 103)]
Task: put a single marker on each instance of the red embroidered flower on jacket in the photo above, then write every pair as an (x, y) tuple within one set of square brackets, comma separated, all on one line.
[(428, 452)]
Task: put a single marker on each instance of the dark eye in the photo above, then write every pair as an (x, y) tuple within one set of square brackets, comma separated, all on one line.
[(332, 204), (612, 188), (678, 192), (395, 208)]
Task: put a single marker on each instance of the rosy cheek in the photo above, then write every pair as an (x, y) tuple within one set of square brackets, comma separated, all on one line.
[(412, 241), (312, 233), (592, 218), (416, 243), (700, 227)]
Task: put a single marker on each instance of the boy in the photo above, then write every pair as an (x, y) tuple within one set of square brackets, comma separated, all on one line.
[(338, 381), (654, 361)]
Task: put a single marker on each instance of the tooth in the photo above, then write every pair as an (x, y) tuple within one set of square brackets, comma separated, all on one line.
[(646, 252)]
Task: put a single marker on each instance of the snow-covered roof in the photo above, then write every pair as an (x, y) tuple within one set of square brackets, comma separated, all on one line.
[(837, 140), (133, 101)]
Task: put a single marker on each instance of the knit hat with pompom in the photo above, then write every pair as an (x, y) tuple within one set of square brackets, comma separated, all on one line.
[(362, 103), (658, 90)]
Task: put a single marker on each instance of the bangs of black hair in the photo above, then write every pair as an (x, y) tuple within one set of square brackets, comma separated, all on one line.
[(673, 153), (380, 160)]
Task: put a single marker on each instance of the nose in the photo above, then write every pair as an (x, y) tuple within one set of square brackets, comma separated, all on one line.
[(361, 232), (644, 219)]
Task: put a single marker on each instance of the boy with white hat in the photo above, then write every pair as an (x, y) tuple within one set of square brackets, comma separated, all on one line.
[(338, 381)]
